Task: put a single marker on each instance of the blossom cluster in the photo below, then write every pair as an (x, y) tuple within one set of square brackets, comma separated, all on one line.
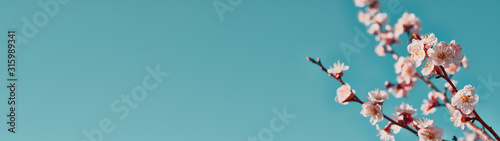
[(435, 59)]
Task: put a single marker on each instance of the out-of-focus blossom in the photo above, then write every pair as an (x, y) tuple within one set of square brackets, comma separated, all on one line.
[(380, 50), (406, 112), (447, 85), (362, 3), (402, 88), (465, 63), (374, 29), (380, 18), (429, 105), (395, 128), (452, 69), (406, 22), (385, 135)]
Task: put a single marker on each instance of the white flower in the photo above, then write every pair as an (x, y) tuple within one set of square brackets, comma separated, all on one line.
[(385, 135), (465, 62), (423, 123), (441, 54), (406, 22), (405, 112), (466, 99), (380, 18), (416, 50), (452, 69), (458, 119), (429, 40), (435, 95), (362, 3), (407, 69), (395, 128), (405, 109), (458, 55), (468, 137), (364, 18), (430, 133), (374, 29), (344, 93), (408, 73), (428, 67), (380, 50), (378, 96), (398, 29), (337, 68), (373, 110), (403, 87), (427, 107)]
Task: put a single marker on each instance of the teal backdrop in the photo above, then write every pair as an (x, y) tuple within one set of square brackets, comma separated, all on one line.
[(227, 79)]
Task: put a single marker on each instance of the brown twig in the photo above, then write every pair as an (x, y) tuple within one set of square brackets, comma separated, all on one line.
[(356, 99), (478, 118)]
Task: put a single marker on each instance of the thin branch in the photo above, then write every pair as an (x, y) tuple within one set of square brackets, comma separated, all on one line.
[(356, 99), (478, 118)]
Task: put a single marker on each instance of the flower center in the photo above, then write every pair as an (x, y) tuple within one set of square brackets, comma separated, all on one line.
[(465, 99), (373, 111), (431, 136), (441, 55)]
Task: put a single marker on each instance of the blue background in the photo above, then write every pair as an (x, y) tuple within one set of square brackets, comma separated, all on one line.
[(227, 76)]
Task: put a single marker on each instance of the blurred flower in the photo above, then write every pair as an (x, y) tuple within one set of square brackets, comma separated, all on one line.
[(402, 88), (374, 29), (364, 18), (406, 22), (380, 50), (447, 85), (452, 69), (465, 63), (384, 134), (395, 128), (362, 3), (405, 111), (380, 18)]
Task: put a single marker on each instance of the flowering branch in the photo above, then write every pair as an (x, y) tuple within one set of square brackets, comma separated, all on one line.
[(437, 58), (354, 97)]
